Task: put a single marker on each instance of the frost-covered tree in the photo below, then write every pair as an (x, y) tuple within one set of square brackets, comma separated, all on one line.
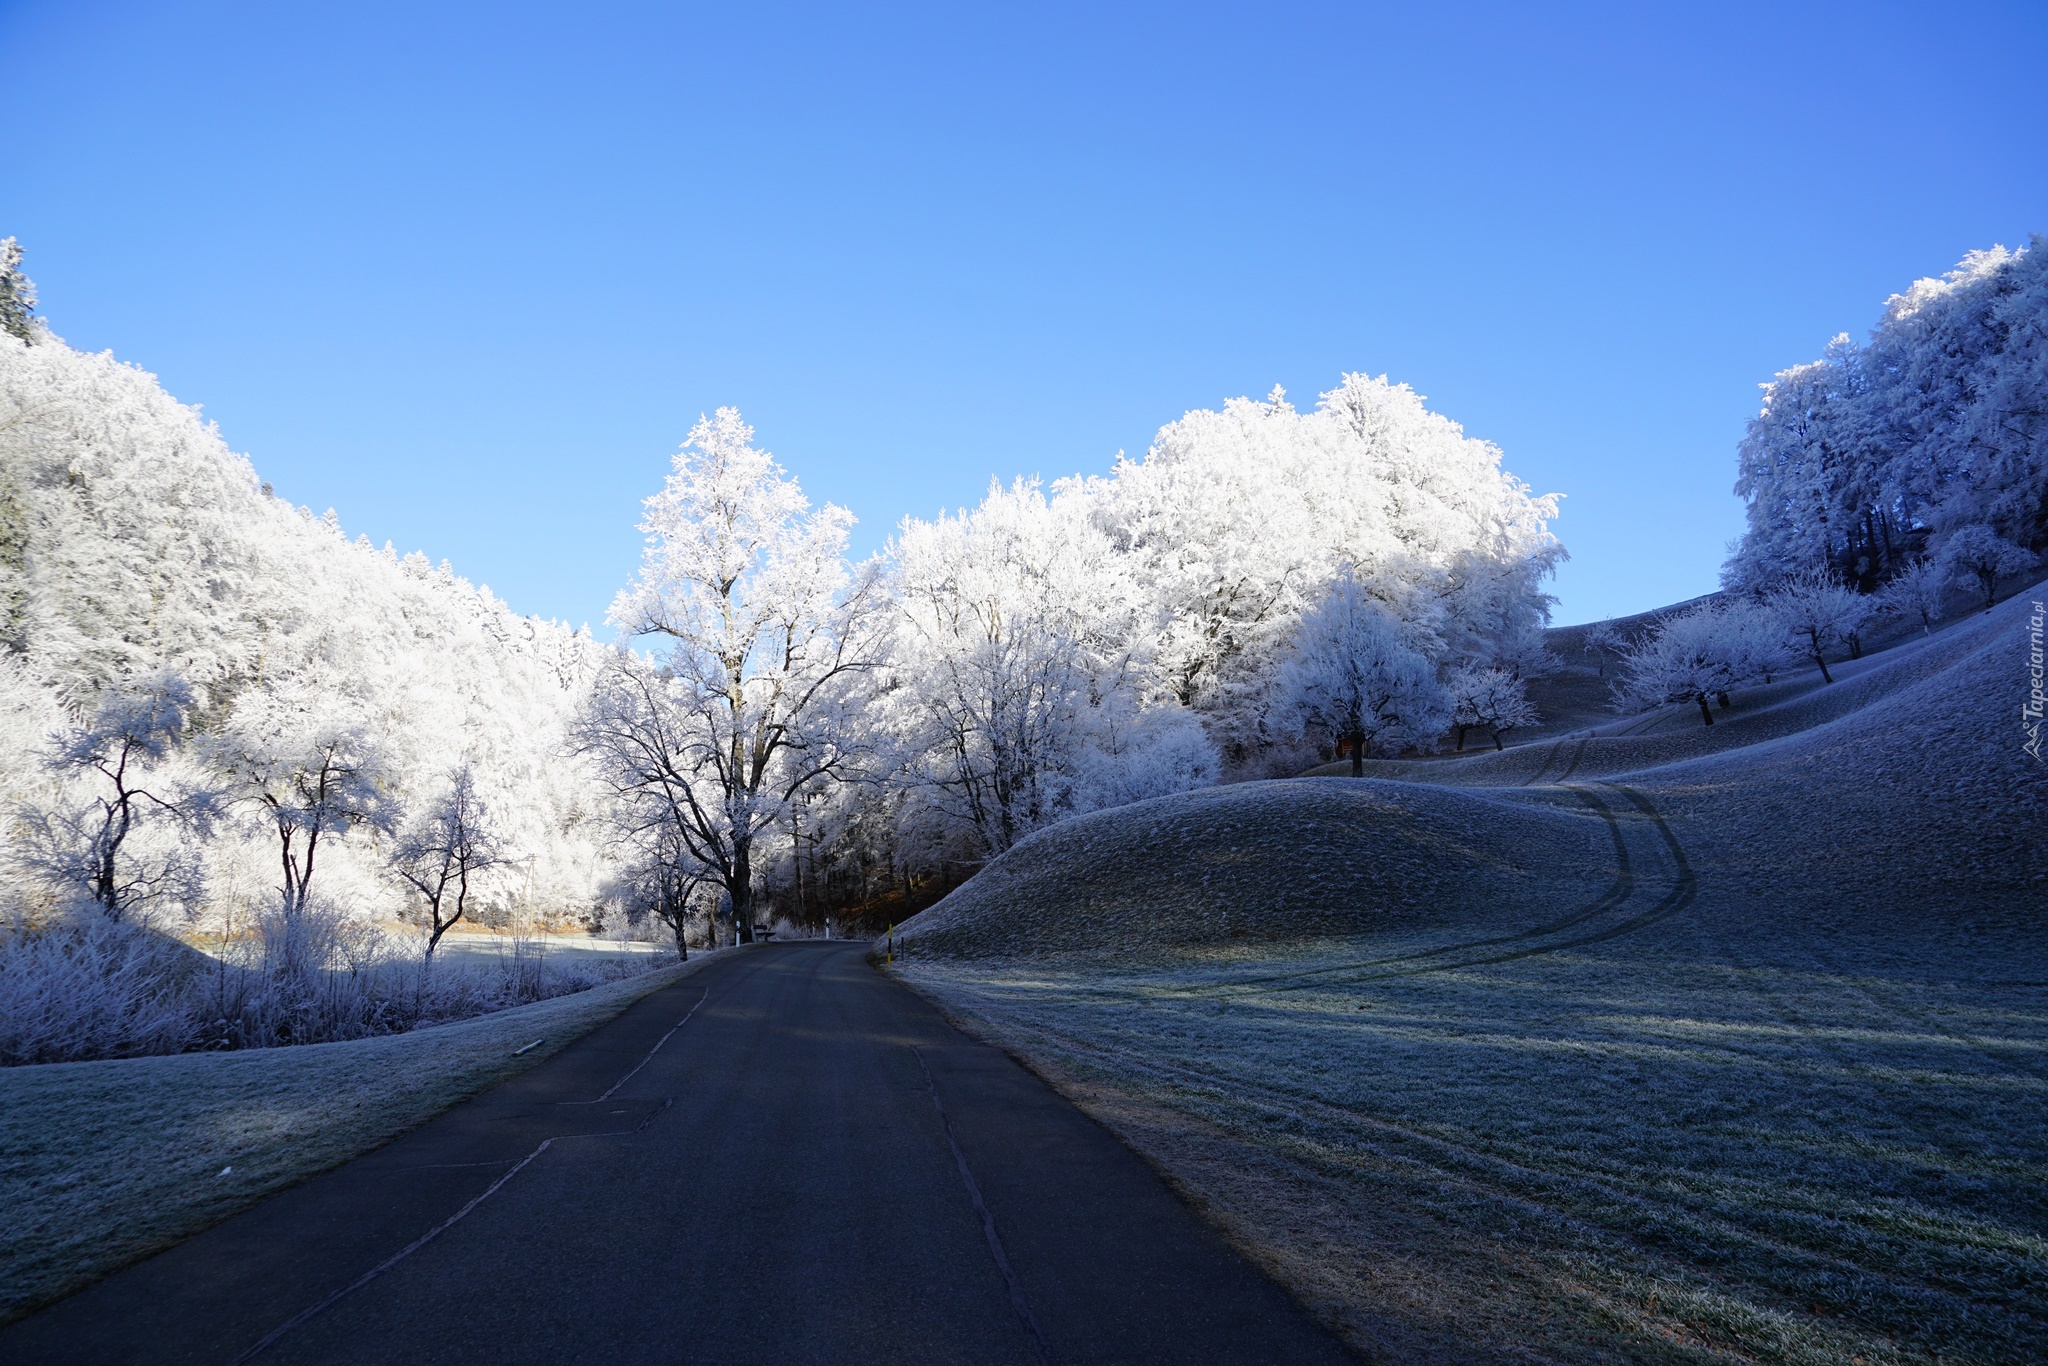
[(1492, 700), (1603, 643), (1977, 552), (1236, 520), (1859, 459), (1354, 677), (86, 846), (1817, 612), (1018, 674), (17, 296), (133, 541), (1701, 656), (766, 633), (1000, 656), (309, 781), (640, 739), (448, 845), (656, 876), (1918, 592)]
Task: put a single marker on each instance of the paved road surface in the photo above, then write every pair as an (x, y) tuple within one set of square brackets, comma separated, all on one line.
[(814, 1168)]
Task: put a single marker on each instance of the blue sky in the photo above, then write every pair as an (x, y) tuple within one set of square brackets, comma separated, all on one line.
[(468, 273)]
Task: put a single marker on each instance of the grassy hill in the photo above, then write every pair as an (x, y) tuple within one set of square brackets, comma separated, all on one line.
[(1641, 1041), (1271, 861)]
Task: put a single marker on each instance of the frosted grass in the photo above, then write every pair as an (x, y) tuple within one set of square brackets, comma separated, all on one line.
[(1749, 1162)]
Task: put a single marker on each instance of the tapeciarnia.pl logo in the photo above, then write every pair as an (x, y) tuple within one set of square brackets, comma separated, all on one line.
[(2032, 709)]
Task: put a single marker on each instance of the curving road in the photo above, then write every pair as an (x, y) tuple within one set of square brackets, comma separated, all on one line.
[(785, 1157)]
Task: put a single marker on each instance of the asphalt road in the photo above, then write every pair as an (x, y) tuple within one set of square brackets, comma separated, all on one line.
[(813, 1167)]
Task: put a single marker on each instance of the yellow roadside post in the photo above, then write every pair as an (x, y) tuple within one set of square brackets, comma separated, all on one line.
[(892, 943)]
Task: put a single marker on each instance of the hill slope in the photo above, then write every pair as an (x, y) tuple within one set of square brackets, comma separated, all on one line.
[(1903, 781), (133, 540), (1267, 861), (1758, 1075)]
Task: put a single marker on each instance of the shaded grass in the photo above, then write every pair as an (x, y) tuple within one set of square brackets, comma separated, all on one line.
[(104, 1163)]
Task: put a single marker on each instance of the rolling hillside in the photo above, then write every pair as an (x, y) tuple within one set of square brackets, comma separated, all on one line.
[(1640, 1041)]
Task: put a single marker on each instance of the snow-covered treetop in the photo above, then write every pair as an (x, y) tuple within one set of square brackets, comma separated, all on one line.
[(734, 554), (1864, 460)]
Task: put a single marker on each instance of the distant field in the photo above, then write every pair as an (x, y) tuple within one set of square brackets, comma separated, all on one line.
[(103, 1163), (1762, 1077), (574, 947)]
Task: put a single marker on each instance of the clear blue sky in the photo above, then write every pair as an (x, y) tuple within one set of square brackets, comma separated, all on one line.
[(467, 273)]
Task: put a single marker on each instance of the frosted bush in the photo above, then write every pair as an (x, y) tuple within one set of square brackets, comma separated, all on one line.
[(83, 986), (322, 975)]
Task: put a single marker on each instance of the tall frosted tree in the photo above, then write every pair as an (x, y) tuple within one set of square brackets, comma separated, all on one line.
[(763, 631)]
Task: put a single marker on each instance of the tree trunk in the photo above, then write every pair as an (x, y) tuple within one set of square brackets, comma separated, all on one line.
[(796, 852), (1821, 660), (1461, 739), (1497, 745), (1706, 712), (1357, 757), (742, 889)]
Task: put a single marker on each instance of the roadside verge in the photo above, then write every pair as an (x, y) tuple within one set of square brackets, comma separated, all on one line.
[(105, 1163)]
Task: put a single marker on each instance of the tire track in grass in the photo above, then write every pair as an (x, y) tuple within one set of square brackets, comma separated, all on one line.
[(1647, 723), (1577, 755), (1549, 758), (1618, 891), (1684, 889)]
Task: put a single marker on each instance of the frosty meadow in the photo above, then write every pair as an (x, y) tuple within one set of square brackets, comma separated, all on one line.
[(1671, 988)]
